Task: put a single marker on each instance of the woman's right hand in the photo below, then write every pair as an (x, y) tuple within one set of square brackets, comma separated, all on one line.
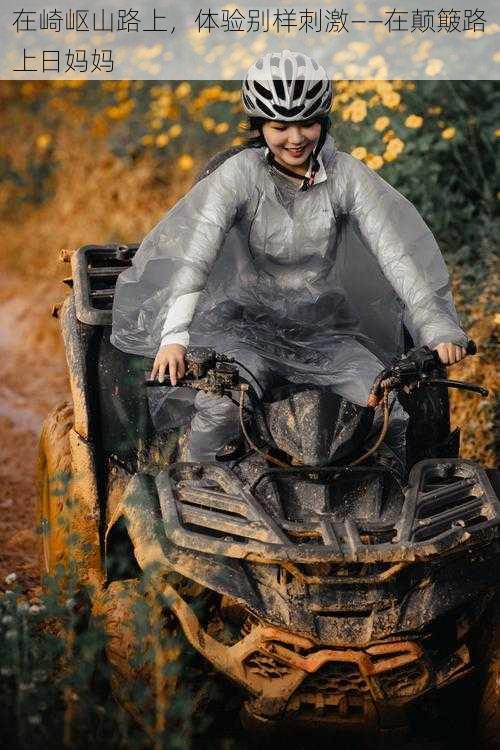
[(171, 358)]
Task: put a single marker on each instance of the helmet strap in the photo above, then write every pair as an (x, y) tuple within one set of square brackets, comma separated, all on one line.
[(309, 181), (289, 172)]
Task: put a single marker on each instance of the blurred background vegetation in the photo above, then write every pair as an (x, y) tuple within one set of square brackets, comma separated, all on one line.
[(434, 141)]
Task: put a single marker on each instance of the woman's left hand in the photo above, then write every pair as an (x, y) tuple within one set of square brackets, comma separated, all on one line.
[(450, 353)]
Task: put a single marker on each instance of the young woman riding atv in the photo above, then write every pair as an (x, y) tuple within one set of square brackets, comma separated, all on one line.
[(293, 257)]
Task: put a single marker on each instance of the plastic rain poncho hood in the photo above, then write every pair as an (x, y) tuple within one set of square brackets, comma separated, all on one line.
[(319, 289)]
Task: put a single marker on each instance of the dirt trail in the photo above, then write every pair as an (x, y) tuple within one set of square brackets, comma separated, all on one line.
[(127, 203), (32, 381)]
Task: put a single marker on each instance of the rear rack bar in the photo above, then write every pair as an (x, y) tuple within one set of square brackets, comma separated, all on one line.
[(95, 269)]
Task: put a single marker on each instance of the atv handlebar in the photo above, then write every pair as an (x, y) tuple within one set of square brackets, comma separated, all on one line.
[(417, 368), (217, 373), (206, 371), (471, 347)]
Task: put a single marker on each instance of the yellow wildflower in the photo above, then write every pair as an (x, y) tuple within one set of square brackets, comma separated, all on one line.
[(374, 161), (435, 110), (376, 62), (341, 99), (394, 148), (121, 95), (208, 123), (448, 134), (381, 123), (388, 136), (212, 93), (497, 133), (383, 87), (346, 113), (175, 131), (182, 90), (359, 152), (162, 140), (185, 162), (120, 111), (358, 110), (221, 127), (43, 141), (434, 67), (414, 121), (147, 140), (391, 99)]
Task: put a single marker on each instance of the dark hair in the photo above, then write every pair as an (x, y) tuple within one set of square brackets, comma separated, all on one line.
[(253, 129)]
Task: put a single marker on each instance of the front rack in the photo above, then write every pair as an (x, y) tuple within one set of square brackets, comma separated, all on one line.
[(447, 503)]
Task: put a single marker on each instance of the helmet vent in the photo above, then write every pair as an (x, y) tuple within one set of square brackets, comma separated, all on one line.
[(247, 101), (280, 89), (314, 90), (288, 112), (260, 89), (299, 88), (264, 108), (311, 111)]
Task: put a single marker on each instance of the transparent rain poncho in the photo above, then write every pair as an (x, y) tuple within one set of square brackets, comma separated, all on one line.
[(319, 289)]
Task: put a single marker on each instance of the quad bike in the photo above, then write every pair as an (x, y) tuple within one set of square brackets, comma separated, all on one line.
[(333, 596)]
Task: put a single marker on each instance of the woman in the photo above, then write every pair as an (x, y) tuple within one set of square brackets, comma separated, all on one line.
[(291, 255)]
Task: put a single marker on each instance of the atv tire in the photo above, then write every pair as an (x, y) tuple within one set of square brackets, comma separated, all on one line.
[(136, 666), (489, 707), (489, 710), (53, 480)]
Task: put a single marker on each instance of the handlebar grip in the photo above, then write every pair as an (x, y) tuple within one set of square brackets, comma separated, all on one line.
[(471, 347)]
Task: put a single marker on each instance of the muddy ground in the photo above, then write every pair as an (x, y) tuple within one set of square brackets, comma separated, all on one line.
[(95, 198), (32, 380)]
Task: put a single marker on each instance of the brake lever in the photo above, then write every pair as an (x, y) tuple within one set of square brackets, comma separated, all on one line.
[(459, 384)]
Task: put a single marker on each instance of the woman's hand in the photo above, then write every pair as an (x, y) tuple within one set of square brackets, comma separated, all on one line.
[(171, 358), (450, 353)]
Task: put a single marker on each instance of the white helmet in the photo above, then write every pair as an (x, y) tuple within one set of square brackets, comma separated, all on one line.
[(287, 86)]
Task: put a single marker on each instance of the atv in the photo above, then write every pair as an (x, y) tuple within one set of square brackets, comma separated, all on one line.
[(333, 595)]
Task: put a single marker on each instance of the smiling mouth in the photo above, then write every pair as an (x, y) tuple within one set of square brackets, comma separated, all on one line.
[(296, 151)]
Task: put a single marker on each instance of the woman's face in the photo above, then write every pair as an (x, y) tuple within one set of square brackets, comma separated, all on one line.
[(292, 143)]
